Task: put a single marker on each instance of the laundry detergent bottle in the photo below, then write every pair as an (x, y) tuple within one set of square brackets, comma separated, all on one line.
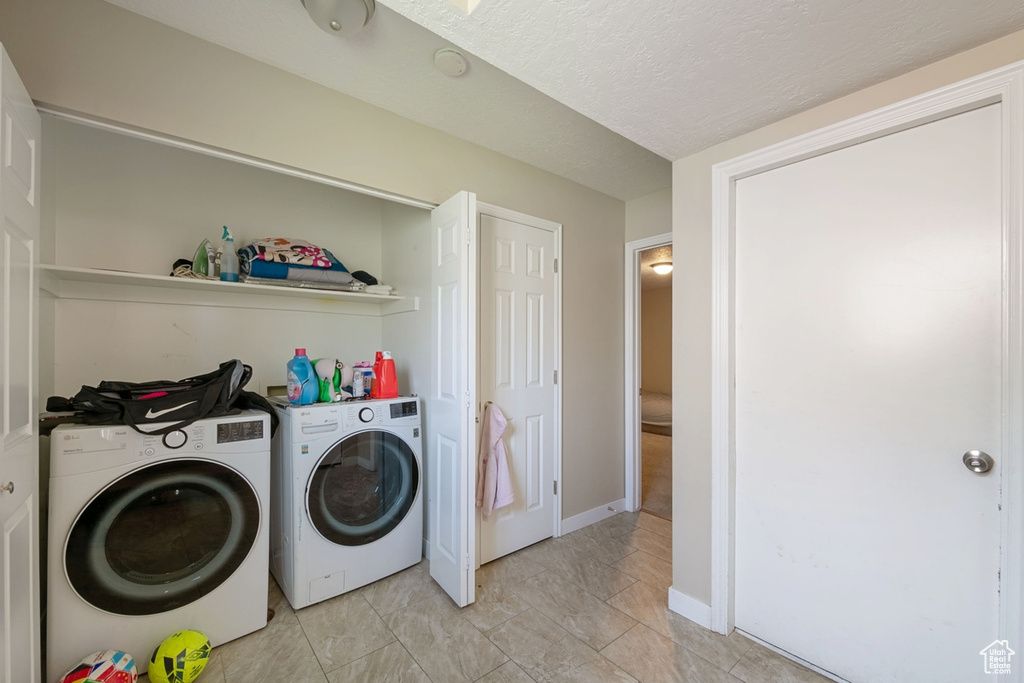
[(303, 384), (386, 385)]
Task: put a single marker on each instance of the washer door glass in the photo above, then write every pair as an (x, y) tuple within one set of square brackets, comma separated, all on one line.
[(362, 488), (161, 537)]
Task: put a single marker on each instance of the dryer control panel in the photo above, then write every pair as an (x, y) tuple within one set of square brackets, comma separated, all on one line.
[(86, 448), (391, 411)]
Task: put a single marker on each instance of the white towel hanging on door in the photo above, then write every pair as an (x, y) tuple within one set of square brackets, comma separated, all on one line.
[(493, 482)]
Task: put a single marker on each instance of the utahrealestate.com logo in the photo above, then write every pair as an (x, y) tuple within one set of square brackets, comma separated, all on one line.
[(997, 657)]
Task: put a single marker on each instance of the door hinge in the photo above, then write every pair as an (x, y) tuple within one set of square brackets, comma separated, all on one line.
[(556, 487), (556, 376), (556, 265), (469, 236)]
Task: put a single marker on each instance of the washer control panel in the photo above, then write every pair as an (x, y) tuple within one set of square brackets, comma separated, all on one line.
[(404, 409), (362, 414), (82, 448), (392, 411), (230, 432)]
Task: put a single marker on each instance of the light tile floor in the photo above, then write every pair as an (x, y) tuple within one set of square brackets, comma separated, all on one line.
[(588, 607)]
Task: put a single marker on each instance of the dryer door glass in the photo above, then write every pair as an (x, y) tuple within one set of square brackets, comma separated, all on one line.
[(362, 488), (162, 537)]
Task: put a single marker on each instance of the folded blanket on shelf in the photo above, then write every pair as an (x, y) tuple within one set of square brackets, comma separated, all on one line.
[(280, 271), (290, 251), (255, 267)]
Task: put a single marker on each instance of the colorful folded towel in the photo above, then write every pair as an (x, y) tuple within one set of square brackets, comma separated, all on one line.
[(251, 264), (290, 251)]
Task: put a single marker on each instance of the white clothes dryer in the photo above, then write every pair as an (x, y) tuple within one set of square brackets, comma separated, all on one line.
[(346, 496), (149, 535)]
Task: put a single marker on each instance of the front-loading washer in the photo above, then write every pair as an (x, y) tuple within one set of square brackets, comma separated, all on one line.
[(346, 495), (150, 534)]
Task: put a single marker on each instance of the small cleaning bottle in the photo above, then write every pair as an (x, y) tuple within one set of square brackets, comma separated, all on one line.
[(303, 384), (228, 258)]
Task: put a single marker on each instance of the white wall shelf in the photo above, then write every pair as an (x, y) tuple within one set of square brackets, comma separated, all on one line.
[(65, 282)]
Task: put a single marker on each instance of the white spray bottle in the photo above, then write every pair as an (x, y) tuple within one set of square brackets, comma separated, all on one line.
[(229, 258)]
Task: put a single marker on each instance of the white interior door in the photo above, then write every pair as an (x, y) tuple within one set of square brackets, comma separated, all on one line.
[(518, 301), (450, 461), (19, 446), (868, 360)]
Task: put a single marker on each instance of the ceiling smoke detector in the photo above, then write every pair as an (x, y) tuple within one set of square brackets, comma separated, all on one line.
[(340, 17), (450, 62)]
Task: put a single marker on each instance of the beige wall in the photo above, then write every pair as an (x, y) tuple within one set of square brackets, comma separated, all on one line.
[(95, 58), (691, 220), (656, 340), (649, 216), (124, 203)]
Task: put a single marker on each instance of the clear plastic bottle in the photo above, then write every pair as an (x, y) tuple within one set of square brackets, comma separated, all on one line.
[(228, 258), (303, 385)]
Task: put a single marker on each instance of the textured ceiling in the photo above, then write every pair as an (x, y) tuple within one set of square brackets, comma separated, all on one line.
[(390, 64), (596, 91), (679, 76)]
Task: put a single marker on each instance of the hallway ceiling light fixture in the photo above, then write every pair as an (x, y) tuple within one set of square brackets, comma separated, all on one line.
[(340, 17), (662, 268)]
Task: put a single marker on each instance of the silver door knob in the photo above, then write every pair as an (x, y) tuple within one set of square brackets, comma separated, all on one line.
[(7, 488), (978, 462)]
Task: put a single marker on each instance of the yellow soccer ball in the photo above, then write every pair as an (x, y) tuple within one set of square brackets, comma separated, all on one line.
[(180, 658)]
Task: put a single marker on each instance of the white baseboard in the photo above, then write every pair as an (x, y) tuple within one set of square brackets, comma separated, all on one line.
[(685, 606), (592, 516)]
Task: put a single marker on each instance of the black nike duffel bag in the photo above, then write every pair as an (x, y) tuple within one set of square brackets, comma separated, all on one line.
[(177, 403)]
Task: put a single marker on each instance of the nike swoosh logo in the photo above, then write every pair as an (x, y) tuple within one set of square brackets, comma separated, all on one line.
[(150, 415)]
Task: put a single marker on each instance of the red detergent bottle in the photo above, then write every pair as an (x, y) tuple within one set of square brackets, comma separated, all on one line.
[(386, 384)]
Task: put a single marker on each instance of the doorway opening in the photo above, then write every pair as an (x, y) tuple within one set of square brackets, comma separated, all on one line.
[(649, 376)]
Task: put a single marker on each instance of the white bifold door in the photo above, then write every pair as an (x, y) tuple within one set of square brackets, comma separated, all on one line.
[(19, 442), (869, 339), (450, 437), (514, 298)]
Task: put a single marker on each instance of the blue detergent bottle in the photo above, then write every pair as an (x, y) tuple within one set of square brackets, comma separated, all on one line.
[(303, 385)]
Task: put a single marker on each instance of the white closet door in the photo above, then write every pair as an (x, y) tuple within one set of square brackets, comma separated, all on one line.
[(517, 364), (450, 456), (869, 310), (20, 129)]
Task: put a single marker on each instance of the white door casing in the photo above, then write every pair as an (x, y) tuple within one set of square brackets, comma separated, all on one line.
[(1005, 86), (519, 341), (867, 357), (20, 129), (633, 401), (450, 453)]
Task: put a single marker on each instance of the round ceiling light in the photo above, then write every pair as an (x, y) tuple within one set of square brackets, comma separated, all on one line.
[(340, 17), (662, 268), (450, 62)]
